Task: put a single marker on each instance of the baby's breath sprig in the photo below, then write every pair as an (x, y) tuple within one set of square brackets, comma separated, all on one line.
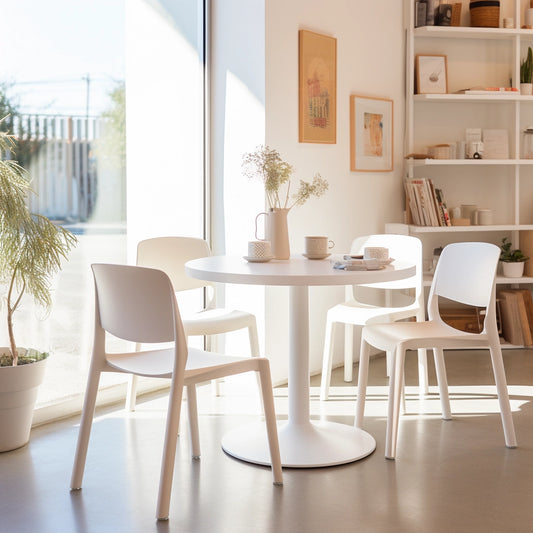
[(266, 164)]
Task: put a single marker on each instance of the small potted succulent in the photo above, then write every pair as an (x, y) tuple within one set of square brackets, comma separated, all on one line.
[(31, 250), (512, 260), (526, 73)]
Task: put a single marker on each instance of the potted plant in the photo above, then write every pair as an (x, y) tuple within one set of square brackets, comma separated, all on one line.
[(526, 73), (512, 260), (275, 173), (31, 250)]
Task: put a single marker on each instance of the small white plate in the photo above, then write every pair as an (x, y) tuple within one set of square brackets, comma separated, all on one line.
[(316, 256), (258, 259)]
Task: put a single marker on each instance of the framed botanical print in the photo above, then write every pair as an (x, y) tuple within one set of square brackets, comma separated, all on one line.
[(317, 88)]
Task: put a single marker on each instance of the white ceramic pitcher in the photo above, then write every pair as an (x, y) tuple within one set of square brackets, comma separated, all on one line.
[(276, 231)]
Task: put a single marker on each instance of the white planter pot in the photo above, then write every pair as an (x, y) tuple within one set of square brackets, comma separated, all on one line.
[(526, 89), (513, 270), (18, 392)]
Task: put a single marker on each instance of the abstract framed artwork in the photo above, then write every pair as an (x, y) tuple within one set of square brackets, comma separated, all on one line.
[(317, 88), (371, 134), (431, 74)]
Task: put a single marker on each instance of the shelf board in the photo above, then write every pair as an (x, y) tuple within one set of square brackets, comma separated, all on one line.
[(475, 162), (500, 280), (471, 229), (466, 32), (497, 96)]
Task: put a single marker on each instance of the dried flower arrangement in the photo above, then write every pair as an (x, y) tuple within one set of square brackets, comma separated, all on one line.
[(266, 164)]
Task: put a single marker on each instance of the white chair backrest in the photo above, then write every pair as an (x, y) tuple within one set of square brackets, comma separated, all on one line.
[(170, 254), (401, 248), (465, 273), (137, 304)]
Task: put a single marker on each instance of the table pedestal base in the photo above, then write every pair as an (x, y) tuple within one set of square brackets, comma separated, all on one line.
[(312, 444)]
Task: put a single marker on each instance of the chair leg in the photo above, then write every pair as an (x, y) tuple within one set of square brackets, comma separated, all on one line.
[(192, 407), (364, 356), (423, 384), (210, 343), (327, 359), (85, 430), (390, 363), (254, 347), (131, 395), (442, 380), (348, 353), (503, 394), (270, 420), (395, 391), (169, 449), (403, 402), (254, 340)]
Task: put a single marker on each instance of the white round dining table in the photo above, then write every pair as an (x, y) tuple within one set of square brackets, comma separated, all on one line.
[(304, 443)]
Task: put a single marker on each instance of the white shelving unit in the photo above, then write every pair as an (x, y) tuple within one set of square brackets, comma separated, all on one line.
[(475, 57)]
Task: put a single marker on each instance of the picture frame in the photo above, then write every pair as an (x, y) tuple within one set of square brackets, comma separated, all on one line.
[(317, 88), (371, 134), (431, 73)]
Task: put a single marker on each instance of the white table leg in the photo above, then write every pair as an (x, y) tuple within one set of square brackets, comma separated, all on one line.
[(303, 443)]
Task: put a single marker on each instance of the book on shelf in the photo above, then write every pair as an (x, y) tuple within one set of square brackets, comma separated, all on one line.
[(516, 307), (426, 203), (500, 91)]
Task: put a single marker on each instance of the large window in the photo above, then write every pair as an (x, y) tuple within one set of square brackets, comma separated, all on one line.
[(106, 103)]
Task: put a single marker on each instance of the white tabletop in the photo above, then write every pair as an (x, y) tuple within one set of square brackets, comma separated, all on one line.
[(291, 272)]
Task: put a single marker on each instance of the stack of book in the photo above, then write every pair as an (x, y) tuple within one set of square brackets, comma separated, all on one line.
[(516, 309), (425, 203)]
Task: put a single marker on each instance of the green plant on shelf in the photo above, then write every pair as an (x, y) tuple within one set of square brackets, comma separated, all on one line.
[(526, 67), (511, 256)]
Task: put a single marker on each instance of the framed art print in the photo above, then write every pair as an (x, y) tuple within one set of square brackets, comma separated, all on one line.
[(431, 74), (317, 88), (371, 134)]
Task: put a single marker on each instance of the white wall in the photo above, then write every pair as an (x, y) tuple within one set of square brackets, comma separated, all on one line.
[(370, 59)]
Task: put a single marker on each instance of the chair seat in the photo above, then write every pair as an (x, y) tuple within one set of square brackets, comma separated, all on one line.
[(358, 313), (414, 335), (159, 363), (215, 321)]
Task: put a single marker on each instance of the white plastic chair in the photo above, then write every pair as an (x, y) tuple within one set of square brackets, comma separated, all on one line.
[(465, 274), (356, 313), (170, 254), (139, 305)]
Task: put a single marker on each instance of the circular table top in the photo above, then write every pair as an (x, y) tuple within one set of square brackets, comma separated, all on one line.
[(290, 272)]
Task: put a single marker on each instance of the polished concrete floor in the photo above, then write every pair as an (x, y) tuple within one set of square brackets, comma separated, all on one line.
[(449, 476)]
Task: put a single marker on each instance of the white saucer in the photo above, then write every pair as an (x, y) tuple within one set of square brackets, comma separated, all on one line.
[(258, 259), (318, 256)]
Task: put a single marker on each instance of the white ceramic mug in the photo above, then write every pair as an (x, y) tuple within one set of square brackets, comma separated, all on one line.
[(317, 246), (376, 252), (259, 249), (484, 217)]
